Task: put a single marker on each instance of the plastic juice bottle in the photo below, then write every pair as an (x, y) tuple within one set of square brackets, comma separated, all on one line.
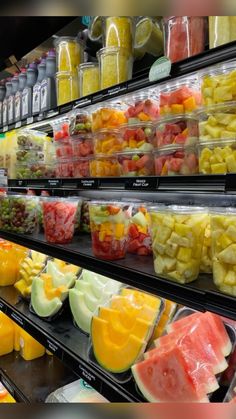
[(5, 396), (48, 85), (9, 267), (36, 106), (5, 102), (6, 335), (11, 99), (17, 331), (28, 90), (29, 347), (18, 95), (2, 96)]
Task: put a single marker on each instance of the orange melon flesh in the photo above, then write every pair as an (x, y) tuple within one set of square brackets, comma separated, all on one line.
[(50, 291), (129, 311), (141, 298), (117, 332), (113, 357), (165, 317)]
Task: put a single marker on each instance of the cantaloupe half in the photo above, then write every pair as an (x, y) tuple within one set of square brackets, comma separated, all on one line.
[(113, 357), (141, 298), (118, 333), (129, 311)]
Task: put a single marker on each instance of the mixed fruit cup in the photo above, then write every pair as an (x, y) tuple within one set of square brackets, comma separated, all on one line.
[(136, 163), (139, 232), (182, 129), (35, 170), (180, 98), (19, 214), (176, 160)]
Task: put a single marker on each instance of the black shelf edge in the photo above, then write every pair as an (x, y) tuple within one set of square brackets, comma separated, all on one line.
[(135, 271), (181, 68), (42, 376), (69, 345), (194, 183)]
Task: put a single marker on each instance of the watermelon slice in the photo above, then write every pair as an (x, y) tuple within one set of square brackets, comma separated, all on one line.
[(213, 326), (165, 377), (208, 352), (201, 370)]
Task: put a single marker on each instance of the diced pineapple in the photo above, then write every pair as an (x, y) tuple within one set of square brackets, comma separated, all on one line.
[(223, 241), (184, 254), (169, 263), (231, 233), (219, 168), (177, 277), (180, 241), (171, 249), (208, 92), (228, 255), (206, 153), (212, 121), (214, 132), (219, 272), (189, 270), (158, 247), (164, 234), (222, 94), (168, 221), (159, 264), (227, 289), (232, 125), (230, 278), (197, 251), (231, 163), (182, 229)]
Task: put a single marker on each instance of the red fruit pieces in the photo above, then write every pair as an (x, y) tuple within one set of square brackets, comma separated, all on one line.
[(109, 248), (59, 221)]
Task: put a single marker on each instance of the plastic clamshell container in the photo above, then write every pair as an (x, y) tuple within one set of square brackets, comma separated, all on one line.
[(80, 122), (142, 107), (136, 163), (138, 136), (184, 36), (82, 145), (67, 85), (109, 115), (231, 393), (217, 121), (64, 149), (217, 157), (107, 141), (31, 140), (104, 166), (24, 156), (119, 32), (81, 167), (218, 83), (61, 128), (59, 218), (77, 392), (206, 261), (65, 168), (109, 229), (18, 213), (139, 232), (35, 170), (179, 129), (177, 241), (223, 225), (148, 37), (89, 78), (85, 219), (175, 160), (221, 30), (182, 96), (116, 66), (69, 53)]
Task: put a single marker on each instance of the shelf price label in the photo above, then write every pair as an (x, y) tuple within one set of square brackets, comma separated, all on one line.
[(17, 319), (88, 377), (3, 177), (54, 348), (53, 183), (3, 307), (88, 183), (141, 183)]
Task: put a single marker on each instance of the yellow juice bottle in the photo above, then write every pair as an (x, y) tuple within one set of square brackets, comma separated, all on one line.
[(5, 396), (29, 347), (6, 335)]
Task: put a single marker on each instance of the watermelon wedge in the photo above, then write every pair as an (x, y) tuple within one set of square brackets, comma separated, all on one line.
[(201, 370), (213, 327), (207, 352), (165, 377)]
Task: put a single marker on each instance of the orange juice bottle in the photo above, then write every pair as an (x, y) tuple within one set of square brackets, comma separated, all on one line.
[(6, 335), (29, 347)]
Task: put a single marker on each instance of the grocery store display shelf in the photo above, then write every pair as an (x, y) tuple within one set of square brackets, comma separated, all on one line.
[(42, 376), (136, 271), (199, 183), (192, 64), (68, 344)]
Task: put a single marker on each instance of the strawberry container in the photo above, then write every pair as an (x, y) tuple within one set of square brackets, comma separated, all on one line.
[(176, 160), (136, 163)]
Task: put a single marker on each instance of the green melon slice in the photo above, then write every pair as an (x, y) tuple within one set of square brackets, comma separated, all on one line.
[(40, 303), (81, 313)]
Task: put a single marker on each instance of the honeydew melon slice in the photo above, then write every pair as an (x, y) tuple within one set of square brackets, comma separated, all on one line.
[(42, 306)]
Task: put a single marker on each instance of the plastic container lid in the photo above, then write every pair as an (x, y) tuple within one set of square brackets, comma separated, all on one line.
[(176, 118), (219, 142), (175, 147), (67, 39), (112, 50), (219, 107)]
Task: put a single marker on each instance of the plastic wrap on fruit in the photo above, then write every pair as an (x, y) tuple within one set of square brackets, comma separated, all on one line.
[(139, 238), (223, 227), (109, 229), (177, 241), (206, 260)]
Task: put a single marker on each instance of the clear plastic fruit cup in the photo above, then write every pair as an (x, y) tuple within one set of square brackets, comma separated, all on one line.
[(218, 83), (89, 78), (80, 122), (81, 167), (136, 163), (85, 219), (184, 36), (109, 115), (59, 218), (217, 157), (138, 136), (139, 232), (35, 170), (24, 156), (109, 222), (67, 84), (65, 168), (176, 160), (64, 148), (104, 166), (223, 228), (179, 129), (30, 139), (107, 141), (177, 241), (69, 53), (19, 214), (217, 121), (143, 107), (116, 66), (82, 145), (182, 96)]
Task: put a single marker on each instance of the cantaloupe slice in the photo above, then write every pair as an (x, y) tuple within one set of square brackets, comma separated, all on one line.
[(141, 298), (113, 357), (129, 311)]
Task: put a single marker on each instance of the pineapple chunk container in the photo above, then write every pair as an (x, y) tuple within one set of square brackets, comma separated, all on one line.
[(177, 241), (217, 156), (223, 226), (218, 83), (217, 121)]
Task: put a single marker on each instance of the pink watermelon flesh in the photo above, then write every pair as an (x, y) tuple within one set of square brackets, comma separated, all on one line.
[(200, 369), (165, 377), (183, 322)]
